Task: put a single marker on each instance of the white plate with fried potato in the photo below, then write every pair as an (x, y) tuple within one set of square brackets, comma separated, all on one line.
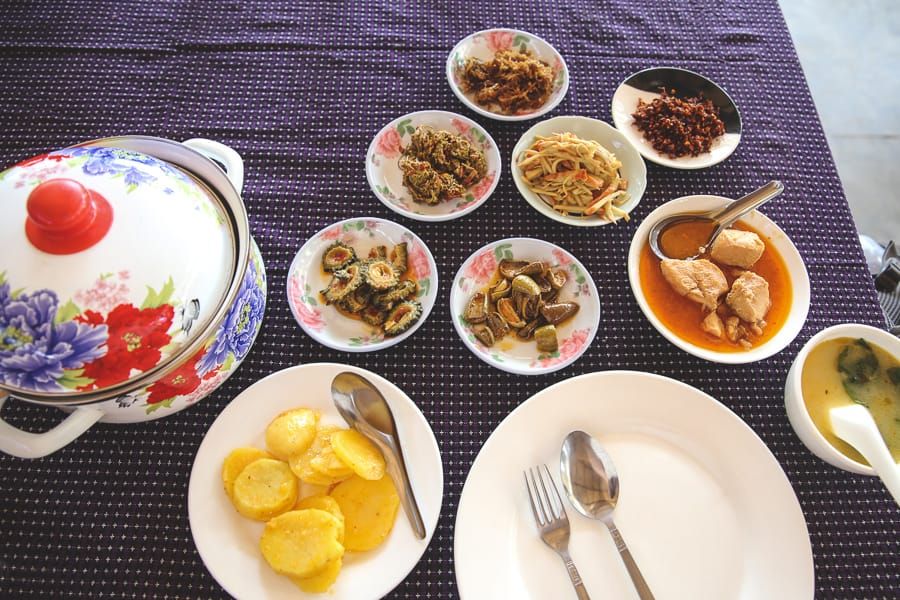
[(246, 506)]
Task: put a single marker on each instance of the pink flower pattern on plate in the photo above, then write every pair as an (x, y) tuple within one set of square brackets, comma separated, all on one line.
[(418, 261), (332, 234), (388, 143), (498, 40), (109, 290), (306, 314), (562, 259), (461, 126), (568, 348), (481, 188), (482, 267)]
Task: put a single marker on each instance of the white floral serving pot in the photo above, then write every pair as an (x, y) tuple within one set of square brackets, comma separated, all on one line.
[(130, 286)]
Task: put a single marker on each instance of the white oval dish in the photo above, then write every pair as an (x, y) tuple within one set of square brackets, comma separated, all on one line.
[(634, 170), (326, 324), (229, 543), (701, 499), (645, 84), (510, 354), (386, 180), (773, 234), (799, 417), (483, 45)]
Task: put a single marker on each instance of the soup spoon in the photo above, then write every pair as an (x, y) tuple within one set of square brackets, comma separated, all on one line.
[(855, 425), (592, 485), (366, 410), (720, 220)]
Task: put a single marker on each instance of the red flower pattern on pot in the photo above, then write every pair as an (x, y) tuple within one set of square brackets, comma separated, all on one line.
[(181, 382), (136, 337), (499, 40), (482, 267), (389, 143)]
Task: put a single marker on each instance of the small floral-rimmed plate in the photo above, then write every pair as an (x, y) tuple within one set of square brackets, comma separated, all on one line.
[(483, 45), (633, 169), (386, 179), (645, 85), (511, 354), (306, 278)]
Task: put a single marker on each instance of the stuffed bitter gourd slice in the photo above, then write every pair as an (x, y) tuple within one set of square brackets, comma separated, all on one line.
[(400, 258), (344, 282), (402, 317), (337, 256), (381, 275), (403, 290)]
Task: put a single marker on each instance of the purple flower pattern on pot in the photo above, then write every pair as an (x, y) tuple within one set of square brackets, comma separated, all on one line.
[(238, 331), (35, 352)]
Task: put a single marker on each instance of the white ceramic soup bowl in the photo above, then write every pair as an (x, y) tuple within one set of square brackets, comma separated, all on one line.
[(800, 420), (773, 235)]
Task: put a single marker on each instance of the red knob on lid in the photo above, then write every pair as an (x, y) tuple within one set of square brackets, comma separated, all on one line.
[(64, 217)]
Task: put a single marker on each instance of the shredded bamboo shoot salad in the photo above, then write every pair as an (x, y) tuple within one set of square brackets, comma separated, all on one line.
[(575, 176)]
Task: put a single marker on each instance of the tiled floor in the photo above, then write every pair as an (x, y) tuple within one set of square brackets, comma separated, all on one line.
[(850, 51)]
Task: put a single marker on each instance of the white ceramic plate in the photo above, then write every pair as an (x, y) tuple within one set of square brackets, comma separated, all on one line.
[(229, 543), (386, 179), (633, 168), (483, 45), (645, 85), (511, 354), (705, 508), (772, 233), (326, 324)]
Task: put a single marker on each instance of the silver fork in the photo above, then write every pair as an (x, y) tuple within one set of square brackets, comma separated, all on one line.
[(553, 522)]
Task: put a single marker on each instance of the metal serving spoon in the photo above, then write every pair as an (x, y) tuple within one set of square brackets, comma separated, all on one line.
[(592, 485), (366, 410), (721, 219)]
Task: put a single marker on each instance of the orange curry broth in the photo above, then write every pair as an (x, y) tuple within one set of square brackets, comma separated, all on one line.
[(683, 316)]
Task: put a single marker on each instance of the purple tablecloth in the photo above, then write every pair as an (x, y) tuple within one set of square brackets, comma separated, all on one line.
[(299, 89)]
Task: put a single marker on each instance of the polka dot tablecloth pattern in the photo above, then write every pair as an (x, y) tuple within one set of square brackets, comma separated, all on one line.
[(299, 88)]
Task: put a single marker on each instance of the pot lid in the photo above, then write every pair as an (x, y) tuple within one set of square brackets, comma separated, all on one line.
[(113, 261)]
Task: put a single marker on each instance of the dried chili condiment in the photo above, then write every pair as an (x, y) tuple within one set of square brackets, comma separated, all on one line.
[(679, 126)]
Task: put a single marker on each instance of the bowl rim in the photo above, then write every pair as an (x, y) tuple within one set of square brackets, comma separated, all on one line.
[(457, 325), (386, 342), (796, 406), (537, 204), (673, 163), (547, 107), (433, 218), (800, 284)]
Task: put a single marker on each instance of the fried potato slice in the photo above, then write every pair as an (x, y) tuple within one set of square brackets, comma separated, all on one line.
[(302, 464), (321, 581), (301, 543), (326, 503), (291, 432), (235, 462), (264, 489), (369, 509), (357, 452)]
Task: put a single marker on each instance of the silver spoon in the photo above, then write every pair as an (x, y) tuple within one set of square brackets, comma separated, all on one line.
[(366, 410), (592, 485), (722, 219)]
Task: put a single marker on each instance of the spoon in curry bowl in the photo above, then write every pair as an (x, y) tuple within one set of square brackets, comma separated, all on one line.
[(718, 221), (366, 410)]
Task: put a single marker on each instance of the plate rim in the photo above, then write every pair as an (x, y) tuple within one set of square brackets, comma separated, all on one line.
[(431, 528), (656, 157), (387, 342), (595, 327), (808, 557), (538, 205), (432, 218), (496, 116)]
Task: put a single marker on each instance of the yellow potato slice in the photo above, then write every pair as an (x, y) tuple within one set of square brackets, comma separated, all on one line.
[(326, 503), (235, 463), (264, 489), (291, 432), (359, 453), (301, 543), (369, 509), (302, 464), (321, 581)]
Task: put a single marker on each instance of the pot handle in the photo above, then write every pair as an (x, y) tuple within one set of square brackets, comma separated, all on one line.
[(231, 161), (35, 445)]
